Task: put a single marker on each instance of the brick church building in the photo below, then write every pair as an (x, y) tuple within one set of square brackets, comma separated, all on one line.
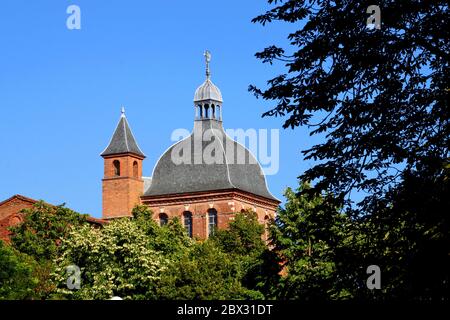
[(204, 179), (203, 194)]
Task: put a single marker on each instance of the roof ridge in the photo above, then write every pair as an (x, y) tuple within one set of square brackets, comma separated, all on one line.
[(18, 196), (126, 132), (224, 154)]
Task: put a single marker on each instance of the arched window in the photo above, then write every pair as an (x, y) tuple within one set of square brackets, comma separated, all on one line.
[(213, 111), (200, 111), (206, 111), (187, 221), (163, 219), (218, 113), (116, 164), (212, 221), (135, 169)]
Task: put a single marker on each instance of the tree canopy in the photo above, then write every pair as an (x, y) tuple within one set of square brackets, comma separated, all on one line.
[(379, 99), (117, 260), (379, 96), (17, 278), (43, 229)]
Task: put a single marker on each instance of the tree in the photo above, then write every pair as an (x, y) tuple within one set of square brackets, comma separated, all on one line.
[(17, 280), (39, 237), (204, 272), (243, 241), (117, 260), (170, 239), (243, 236), (308, 239), (409, 239), (379, 96), (43, 228)]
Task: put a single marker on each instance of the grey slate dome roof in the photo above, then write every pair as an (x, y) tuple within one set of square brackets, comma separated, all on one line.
[(194, 174), (207, 91), (122, 140)]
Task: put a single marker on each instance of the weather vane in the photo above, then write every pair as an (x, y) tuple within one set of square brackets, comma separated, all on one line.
[(207, 55)]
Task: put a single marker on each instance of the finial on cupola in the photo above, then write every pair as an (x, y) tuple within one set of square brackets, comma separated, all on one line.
[(207, 97), (122, 111), (207, 55)]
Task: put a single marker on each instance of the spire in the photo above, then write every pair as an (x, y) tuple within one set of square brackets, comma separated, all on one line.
[(208, 92), (208, 98), (207, 55), (122, 140)]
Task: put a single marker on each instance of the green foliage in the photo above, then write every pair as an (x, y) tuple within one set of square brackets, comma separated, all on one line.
[(137, 259), (43, 228), (220, 267), (325, 253), (170, 239), (243, 241), (39, 236), (322, 252), (17, 280), (379, 99), (204, 272), (243, 236), (410, 239), (117, 260), (306, 235)]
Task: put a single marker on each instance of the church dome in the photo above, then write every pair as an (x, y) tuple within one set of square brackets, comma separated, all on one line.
[(207, 91), (208, 159), (234, 167)]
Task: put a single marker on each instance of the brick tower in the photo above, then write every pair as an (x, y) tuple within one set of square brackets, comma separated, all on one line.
[(122, 181)]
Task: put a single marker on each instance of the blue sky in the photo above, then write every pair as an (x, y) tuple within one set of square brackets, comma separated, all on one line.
[(61, 90)]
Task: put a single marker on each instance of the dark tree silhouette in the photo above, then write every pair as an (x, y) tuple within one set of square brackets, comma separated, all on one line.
[(380, 99), (380, 96)]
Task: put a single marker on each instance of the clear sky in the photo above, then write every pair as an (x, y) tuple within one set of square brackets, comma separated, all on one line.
[(61, 90)]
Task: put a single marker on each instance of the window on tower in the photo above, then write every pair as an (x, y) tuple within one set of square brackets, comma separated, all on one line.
[(212, 221), (135, 169), (218, 113), (116, 164), (187, 221)]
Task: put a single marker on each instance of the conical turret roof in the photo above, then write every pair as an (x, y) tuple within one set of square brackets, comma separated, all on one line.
[(122, 140)]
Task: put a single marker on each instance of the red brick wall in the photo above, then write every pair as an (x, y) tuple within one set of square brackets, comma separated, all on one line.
[(10, 213), (226, 209)]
